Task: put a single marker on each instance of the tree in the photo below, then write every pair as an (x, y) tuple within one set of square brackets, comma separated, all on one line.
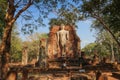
[(89, 49), (99, 48), (105, 39), (10, 18), (3, 8), (32, 44), (100, 10), (13, 11), (16, 46), (69, 14), (112, 15)]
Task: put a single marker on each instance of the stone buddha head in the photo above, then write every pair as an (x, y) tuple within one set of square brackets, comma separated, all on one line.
[(62, 26)]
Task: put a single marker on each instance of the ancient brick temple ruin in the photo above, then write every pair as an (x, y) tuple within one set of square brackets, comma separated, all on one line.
[(52, 66), (73, 45)]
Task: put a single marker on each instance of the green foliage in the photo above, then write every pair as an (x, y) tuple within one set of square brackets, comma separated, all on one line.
[(102, 50), (56, 22), (112, 15), (16, 46), (42, 9), (104, 45), (107, 43), (106, 13), (69, 19), (3, 7), (92, 48), (89, 49), (67, 12), (33, 44), (90, 8), (108, 10)]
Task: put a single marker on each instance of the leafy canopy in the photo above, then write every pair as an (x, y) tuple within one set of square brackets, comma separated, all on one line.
[(3, 7)]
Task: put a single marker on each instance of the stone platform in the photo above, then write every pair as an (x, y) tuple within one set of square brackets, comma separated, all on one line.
[(59, 62), (87, 72)]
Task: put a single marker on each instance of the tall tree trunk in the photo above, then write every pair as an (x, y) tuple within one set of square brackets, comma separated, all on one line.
[(5, 48), (6, 39), (10, 18)]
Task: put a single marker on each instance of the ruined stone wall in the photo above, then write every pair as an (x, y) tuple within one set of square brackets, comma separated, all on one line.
[(73, 45)]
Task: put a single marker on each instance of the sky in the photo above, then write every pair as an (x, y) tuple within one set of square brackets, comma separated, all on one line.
[(83, 31)]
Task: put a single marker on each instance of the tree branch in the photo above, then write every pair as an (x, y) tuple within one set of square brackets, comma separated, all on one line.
[(17, 3), (23, 9), (107, 28)]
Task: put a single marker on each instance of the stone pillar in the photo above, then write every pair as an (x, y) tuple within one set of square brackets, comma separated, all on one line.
[(24, 56), (42, 53)]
